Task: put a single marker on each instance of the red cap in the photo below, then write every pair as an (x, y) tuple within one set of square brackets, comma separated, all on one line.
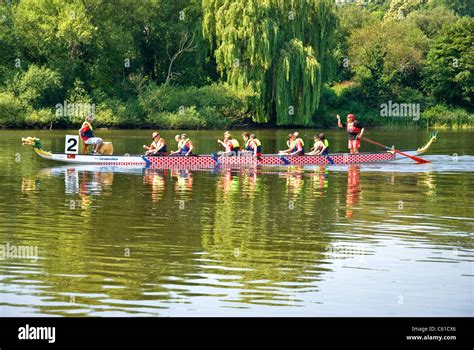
[(351, 116)]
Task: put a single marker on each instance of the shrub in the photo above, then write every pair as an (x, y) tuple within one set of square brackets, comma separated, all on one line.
[(213, 120), (12, 111), (449, 65), (38, 86), (40, 117), (327, 106), (348, 98), (113, 112), (78, 93), (232, 103), (106, 117), (213, 101), (187, 118), (442, 115)]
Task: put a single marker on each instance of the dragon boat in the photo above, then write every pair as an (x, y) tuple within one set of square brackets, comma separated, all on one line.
[(212, 160)]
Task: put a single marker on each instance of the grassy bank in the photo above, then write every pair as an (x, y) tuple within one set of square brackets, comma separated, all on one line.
[(349, 97), (215, 106), (212, 106)]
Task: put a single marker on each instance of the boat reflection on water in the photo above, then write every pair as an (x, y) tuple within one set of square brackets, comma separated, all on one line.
[(90, 184), (319, 178), (156, 181), (228, 181), (297, 176), (353, 189), (294, 179), (93, 183), (89, 180), (184, 180), (251, 183), (85, 182), (30, 185)]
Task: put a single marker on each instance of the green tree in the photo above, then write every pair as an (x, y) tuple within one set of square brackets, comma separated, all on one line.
[(386, 55), (431, 21), (449, 67), (269, 46), (351, 17), (54, 33), (107, 45), (38, 86), (297, 84), (8, 52), (461, 7)]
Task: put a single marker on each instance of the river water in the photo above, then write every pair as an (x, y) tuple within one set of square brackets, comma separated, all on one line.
[(379, 240)]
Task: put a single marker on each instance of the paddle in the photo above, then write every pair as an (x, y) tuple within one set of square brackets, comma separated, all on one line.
[(285, 161), (329, 159), (415, 158), (215, 158), (147, 161)]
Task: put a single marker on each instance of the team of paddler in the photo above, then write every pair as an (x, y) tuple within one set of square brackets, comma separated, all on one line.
[(252, 145), (158, 146)]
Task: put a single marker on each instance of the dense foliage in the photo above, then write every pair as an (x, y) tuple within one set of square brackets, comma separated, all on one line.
[(218, 63), (280, 48)]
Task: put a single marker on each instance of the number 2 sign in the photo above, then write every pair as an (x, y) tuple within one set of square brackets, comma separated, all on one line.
[(72, 144)]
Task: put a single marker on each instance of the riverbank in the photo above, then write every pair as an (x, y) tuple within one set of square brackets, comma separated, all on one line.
[(221, 106), (453, 120)]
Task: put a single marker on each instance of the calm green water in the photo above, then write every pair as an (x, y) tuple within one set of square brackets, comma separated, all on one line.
[(380, 240)]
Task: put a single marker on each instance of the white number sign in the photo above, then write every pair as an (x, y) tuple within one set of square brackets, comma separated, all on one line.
[(72, 144)]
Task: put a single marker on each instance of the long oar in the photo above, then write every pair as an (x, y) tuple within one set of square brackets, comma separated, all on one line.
[(215, 158), (330, 160), (284, 160), (415, 158)]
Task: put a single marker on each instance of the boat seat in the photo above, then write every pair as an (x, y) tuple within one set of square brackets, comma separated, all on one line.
[(105, 148)]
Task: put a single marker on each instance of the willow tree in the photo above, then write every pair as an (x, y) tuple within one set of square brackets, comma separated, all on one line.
[(297, 84), (281, 48)]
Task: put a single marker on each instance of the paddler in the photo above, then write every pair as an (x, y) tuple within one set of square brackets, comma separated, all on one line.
[(295, 145), (227, 146), (87, 134), (177, 138), (320, 147), (289, 140), (231, 145), (186, 146), (235, 144), (246, 137), (355, 130), (255, 146), (157, 147)]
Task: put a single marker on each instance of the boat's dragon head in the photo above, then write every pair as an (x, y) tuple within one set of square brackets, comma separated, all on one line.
[(32, 141), (433, 138)]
